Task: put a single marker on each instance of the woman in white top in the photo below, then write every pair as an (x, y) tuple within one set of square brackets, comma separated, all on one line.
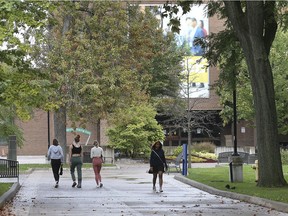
[(55, 154), (96, 155)]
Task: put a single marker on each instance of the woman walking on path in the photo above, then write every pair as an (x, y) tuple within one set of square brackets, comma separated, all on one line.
[(97, 160), (76, 153), (55, 154), (157, 164)]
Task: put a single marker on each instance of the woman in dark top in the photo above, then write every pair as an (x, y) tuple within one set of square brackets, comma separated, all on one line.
[(75, 152), (157, 164)]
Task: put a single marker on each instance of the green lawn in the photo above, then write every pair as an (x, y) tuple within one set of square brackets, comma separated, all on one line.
[(218, 177), (4, 187)]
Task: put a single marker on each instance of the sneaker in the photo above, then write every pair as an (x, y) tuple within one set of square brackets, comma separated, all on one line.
[(154, 189), (74, 184), (97, 186), (161, 191), (56, 185)]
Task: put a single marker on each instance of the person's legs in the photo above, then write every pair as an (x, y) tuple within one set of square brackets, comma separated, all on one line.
[(154, 181), (79, 172), (55, 168), (95, 168), (72, 171), (160, 173), (99, 166)]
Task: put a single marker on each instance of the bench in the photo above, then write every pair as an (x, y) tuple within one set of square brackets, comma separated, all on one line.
[(223, 157), (9, 169), (175, 164)]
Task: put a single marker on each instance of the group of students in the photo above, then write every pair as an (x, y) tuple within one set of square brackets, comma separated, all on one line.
[(55, 154)]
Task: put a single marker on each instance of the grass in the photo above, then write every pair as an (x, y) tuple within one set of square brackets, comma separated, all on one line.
[(4, 187), (218, 178)]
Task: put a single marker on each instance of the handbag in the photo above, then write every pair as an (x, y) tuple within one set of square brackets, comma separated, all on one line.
[(150, 171), (61, 170)]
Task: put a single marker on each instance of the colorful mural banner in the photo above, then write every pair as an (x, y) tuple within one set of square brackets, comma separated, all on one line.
[(197, 77), (194, 27)]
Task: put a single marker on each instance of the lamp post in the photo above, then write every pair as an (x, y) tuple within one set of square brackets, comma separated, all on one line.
[(188, 115), (48, 126), (235, 152), (236, 163)]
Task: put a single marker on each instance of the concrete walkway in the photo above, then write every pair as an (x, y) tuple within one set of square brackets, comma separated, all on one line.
[(126, 191)]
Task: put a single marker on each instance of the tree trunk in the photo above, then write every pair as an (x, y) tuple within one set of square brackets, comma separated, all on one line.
[(60, 114), (249, 28), (60, 128)]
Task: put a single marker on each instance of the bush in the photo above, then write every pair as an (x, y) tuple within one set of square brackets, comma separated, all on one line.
[(284, 157), (178, 151), (204, 147)]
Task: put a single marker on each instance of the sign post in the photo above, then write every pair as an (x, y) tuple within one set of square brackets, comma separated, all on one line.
[(184, 163)]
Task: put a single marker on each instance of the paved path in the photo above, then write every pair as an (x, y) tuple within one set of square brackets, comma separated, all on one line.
[(127, 191)]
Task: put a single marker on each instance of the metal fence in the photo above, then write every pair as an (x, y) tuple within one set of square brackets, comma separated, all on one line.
[(9, 169)]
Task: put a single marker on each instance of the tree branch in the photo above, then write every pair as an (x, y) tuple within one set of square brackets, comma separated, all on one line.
[(270, 25), (236, 17)]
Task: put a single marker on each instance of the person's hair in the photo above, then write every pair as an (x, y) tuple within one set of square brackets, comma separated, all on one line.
[(77, 138), (202, 23), (55, 142), (96, 143), (191, 18), (153, 146)]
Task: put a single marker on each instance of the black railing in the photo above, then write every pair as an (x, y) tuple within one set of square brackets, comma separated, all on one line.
[(9, 169)]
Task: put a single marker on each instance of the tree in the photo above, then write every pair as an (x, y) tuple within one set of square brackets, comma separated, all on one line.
[(100, 57), (134, 129), (259, 19), (254, 25), (22, 86)]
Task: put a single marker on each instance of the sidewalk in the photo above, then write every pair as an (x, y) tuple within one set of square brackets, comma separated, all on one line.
[(126, 191)]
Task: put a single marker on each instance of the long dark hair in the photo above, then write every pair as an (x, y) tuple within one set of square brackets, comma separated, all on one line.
[(55, 142)]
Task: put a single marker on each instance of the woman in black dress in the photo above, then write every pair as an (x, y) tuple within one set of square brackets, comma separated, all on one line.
[(157, 164)]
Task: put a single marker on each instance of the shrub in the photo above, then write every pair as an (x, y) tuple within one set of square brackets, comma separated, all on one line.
[(177, 151), (204, 147), (284, 157)]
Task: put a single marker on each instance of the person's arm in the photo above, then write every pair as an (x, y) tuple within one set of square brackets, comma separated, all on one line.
[(164, 159), (151, 160), (62, 155), (92, 153), (49, 154), (81, 154), (70, 154)]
